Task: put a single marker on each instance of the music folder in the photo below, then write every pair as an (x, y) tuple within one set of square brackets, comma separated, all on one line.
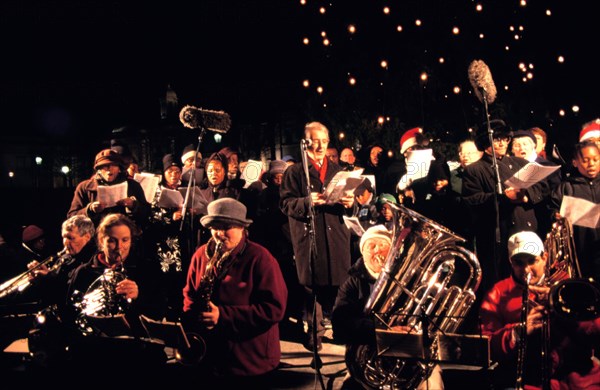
[(170, 333), (453, 350), (111, 326)]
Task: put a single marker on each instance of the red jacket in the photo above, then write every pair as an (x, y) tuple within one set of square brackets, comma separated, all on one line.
[(251, 298), (571, 345)]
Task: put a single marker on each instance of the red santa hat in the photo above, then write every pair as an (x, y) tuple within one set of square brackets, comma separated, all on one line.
[(590, 130), (409, 139)]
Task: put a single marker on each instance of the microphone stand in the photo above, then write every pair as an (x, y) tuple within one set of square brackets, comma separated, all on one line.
[(312, 253), (498, 191), (188, 191)]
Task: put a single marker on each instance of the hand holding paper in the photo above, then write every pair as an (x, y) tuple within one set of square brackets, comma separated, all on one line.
[(530, 174), (108, 196), (580, 212)]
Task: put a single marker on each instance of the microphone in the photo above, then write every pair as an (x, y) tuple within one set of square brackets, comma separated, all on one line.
[(198, 118), (482, 82), (307, 143)]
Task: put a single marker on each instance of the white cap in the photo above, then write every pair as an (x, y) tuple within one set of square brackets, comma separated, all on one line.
[(525, 242), (377, 231)]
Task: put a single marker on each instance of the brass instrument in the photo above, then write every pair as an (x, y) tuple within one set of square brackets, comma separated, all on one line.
[(22, 281), (571, 296), (428, 285), (100, 300), (194, 350)]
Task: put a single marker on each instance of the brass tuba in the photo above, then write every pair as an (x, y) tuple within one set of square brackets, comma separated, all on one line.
[(426, 275)]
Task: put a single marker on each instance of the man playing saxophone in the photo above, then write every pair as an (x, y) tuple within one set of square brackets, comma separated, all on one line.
[(570, 345)]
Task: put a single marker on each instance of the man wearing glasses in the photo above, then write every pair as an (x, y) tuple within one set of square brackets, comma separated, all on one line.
[(515, 208)]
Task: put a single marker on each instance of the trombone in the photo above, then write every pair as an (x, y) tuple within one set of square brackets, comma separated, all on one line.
[(22, 281)]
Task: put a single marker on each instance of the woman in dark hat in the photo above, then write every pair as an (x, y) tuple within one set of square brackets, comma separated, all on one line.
[(110, 172), (235, 296)]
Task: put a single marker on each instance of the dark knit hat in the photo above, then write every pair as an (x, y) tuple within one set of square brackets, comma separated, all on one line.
[(525, 133), (226, 211), (107, 156), (31, 233), (500, 129), (170, 161), (188, 152), (227, 152)]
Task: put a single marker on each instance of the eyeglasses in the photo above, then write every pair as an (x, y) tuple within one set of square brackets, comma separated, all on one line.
[(502, 139)]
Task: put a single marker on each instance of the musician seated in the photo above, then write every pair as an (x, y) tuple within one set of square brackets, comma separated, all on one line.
[(350, 325), (570, 348), (113, 285)]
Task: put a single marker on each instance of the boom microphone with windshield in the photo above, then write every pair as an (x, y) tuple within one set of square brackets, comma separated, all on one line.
[(198, 118), (482, 82)]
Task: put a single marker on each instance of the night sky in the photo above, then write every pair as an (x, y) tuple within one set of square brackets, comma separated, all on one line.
[(81, 66)]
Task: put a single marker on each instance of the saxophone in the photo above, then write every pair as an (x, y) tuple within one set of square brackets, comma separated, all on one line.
[(194, 348)]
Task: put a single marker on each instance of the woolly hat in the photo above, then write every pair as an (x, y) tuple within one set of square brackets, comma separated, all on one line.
[(377, 231), (525, 133), (227, 152), (381, 199), (409, 139), (438, 171), (107, 156), (188, 152), (31, 233), (226, 211), (169, 161), (277, 166), (590, 130), (525, 242), (288, 158), (482, 141)]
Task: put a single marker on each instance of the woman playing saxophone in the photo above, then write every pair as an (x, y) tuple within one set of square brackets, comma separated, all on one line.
[(235, 297)]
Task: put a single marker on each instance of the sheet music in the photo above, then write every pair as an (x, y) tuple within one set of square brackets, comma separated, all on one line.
[(580, 212), (252, 172), (149, 183), (170, 199), (110, 195), (171, 334), (343, 183), (417, 167), (354, 225), (196, 200), (530, 174)]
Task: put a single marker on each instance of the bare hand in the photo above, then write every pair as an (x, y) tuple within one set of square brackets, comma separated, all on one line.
[(177, 215), (127, 202), (347, 201), (515, 195), (128, 288), (41, 270), (210, 318), (96, 207), (317, 198), (535, 318)]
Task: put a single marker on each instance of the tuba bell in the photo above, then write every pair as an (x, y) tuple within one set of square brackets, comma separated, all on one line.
[(426, 275)]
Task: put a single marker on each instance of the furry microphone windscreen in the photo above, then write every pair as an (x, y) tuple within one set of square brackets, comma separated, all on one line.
[(198, 118), (481, 80)]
